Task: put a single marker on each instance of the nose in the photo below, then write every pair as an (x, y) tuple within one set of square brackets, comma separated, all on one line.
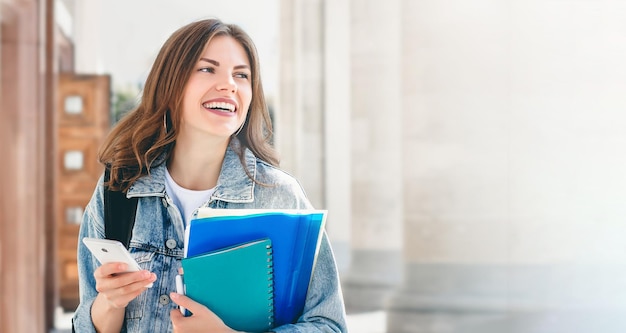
[(227, 84)]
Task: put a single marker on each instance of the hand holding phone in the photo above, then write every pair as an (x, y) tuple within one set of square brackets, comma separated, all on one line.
[(106, 251)]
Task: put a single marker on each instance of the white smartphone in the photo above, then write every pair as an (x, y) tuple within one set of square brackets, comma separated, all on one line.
[(106, 250)]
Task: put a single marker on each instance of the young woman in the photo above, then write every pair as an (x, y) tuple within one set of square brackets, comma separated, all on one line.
[(199, 137)]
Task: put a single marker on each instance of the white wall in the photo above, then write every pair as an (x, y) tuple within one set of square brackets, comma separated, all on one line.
[(514, 164), (515, 128)]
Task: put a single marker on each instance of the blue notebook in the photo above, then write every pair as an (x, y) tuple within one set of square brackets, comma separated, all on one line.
[(295, 236), (236, 283)]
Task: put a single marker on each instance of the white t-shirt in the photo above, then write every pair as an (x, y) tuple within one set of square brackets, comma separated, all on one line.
[(186, 200)]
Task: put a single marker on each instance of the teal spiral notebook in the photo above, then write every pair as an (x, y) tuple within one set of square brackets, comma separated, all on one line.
[(236, 283)]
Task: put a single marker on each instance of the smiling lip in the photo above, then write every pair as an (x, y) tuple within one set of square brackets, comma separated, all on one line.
[(221, 105)]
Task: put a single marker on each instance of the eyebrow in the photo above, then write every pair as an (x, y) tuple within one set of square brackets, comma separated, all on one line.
[(216, 63)]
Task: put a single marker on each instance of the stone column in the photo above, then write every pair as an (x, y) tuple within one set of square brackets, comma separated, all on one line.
[(312, 121), (512, 167), (25, 210), (299, 117), (377, 109), (337, 127)]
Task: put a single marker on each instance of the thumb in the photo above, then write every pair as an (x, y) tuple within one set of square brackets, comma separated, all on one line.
[(187, 303)]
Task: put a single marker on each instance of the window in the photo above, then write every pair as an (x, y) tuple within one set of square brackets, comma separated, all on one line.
[(73, 215), (73, 160), (73, 105)]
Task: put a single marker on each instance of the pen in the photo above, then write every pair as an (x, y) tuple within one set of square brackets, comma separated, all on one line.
[(180, 288)]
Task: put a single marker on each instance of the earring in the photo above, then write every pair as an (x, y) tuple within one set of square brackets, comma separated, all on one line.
[(165, 121)]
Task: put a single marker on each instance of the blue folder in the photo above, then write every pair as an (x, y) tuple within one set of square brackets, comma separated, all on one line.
[(295, 236)]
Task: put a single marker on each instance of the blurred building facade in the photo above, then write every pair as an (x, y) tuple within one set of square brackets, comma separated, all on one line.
[(474, 184), (26, 172), (83, 113), (469, 154)]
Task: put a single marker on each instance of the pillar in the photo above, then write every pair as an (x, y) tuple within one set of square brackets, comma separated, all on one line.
[(337, 128), (25, 205), (299, 116), (376, 128), (312, 123)]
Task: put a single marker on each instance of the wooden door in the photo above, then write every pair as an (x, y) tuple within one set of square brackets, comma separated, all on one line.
[(83, 111)]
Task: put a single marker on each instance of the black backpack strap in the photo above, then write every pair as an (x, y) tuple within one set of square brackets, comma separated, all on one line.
[(119, 214)]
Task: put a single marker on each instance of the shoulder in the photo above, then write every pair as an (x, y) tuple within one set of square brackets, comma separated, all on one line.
[(285, 189), (273, 174)]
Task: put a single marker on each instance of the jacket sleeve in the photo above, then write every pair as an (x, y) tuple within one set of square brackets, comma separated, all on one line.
[(324, 310), (92, 225)]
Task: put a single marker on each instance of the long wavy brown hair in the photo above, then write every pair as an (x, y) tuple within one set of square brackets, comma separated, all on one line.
[(147, 134)]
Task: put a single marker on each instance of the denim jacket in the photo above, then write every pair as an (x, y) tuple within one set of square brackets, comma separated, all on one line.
[(157, 245)]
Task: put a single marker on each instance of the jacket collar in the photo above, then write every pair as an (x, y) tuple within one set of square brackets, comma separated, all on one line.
[(233, 184)]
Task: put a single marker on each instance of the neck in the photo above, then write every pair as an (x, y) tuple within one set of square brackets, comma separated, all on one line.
[(196, 164)]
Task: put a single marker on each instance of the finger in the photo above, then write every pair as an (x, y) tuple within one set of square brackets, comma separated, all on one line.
[(124, 279), (121, 300), (128, 282), (124, 293), (188, 303), (180, 323), (139, 281), (177, 320), (110, 269), (176, 315)]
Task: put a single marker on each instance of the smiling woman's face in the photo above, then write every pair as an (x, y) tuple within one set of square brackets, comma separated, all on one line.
[(218, 93)]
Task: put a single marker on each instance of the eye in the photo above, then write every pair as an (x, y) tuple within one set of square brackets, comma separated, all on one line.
[(207, 70), (242, 75)]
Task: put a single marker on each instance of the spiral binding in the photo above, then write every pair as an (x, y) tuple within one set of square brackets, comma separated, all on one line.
[(270, 284)]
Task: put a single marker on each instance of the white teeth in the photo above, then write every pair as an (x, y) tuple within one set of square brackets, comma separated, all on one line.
[(219, 105)]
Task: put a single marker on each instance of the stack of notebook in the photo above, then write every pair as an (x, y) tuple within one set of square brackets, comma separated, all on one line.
[(252, 268)]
